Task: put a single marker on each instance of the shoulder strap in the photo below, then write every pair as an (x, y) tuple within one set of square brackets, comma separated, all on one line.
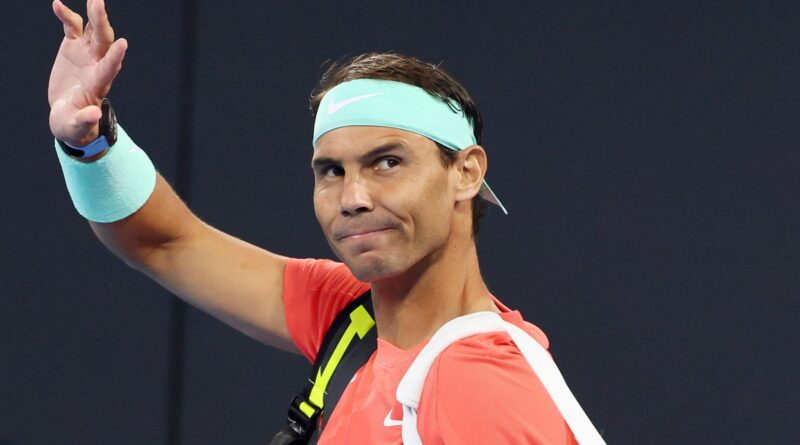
[(349, 342), (410, 388)]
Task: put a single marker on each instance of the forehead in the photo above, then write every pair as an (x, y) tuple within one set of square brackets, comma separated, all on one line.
[(355, 141)]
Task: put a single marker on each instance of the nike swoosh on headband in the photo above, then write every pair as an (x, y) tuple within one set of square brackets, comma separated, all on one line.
[(334, 106)]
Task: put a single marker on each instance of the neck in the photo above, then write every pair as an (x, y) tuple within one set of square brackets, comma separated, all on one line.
[(409, 308)]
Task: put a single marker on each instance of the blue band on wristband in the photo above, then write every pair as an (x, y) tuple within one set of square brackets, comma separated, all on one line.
[(92, 149), (112, 187)]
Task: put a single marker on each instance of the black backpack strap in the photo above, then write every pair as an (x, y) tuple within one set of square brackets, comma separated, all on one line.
[(350, 341)]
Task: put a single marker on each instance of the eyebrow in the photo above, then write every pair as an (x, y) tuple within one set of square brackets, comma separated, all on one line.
[(317, 163)]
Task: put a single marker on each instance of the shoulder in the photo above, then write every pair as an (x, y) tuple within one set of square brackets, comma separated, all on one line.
[(309, 274), (320, 279), (314, 292), (482, 390)]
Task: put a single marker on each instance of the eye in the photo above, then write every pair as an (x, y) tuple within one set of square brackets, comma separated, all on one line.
[(332, 170), (387, 163)]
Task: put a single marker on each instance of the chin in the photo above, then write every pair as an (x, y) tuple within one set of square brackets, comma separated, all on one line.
[(370, 268)]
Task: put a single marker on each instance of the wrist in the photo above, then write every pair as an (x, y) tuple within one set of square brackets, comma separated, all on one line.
[(84, 140), (88, 152), (112, 188)]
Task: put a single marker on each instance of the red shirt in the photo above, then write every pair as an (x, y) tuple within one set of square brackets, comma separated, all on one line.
[(480, 390)]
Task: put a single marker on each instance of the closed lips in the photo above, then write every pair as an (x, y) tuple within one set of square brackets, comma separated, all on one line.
[(361, 232)]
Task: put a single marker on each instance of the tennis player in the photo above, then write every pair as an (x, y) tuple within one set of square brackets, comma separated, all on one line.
[(399, 189)]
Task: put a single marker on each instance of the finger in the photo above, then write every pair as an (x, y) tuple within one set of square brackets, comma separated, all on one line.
[(102, 31), (73, 23), (82, 129), (110, 64), (88, 116), (87, 32), (75, 127)]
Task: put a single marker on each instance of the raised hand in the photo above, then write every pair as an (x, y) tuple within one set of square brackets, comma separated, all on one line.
[(87, 62)]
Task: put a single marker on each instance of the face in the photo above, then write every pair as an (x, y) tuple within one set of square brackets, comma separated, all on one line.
[(383, 198)]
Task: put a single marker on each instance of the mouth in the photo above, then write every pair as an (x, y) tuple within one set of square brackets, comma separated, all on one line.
[(361, 234)]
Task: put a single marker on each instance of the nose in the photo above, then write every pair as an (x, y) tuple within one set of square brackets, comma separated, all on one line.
[(355, 197)]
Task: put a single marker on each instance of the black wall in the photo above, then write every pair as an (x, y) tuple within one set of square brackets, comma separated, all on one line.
[(647, 153)]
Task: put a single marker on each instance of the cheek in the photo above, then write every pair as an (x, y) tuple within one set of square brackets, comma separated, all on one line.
[(436, 218), (322, 207), (430, 207)]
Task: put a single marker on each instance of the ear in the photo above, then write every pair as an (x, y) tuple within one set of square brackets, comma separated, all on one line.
[(471, 167)]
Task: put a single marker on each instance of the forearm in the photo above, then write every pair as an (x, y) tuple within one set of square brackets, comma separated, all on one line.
[(163, 219)]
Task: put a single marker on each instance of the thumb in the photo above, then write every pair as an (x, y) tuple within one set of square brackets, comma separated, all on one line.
[(82, 128), (88, 116)]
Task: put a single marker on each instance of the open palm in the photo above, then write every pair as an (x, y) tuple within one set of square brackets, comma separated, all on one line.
[(86, 65)]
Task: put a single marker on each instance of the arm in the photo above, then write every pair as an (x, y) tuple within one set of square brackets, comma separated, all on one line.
[(236, 282)]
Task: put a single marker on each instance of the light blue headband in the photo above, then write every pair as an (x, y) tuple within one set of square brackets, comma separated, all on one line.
[(386, 103)]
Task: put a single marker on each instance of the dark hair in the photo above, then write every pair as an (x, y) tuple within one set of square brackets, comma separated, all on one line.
[(410, 70)]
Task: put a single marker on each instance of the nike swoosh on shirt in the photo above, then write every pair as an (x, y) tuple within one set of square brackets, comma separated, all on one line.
[(388, 421), (336, 106)]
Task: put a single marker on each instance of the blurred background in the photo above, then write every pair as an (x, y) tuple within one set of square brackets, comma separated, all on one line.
[(647, 153)]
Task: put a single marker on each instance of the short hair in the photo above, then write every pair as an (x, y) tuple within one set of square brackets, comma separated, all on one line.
[(410, 70)]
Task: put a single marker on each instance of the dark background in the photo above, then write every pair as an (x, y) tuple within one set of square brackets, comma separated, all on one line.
[(647, 152)]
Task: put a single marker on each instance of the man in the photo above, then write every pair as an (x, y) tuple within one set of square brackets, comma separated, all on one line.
[(399, 188)]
